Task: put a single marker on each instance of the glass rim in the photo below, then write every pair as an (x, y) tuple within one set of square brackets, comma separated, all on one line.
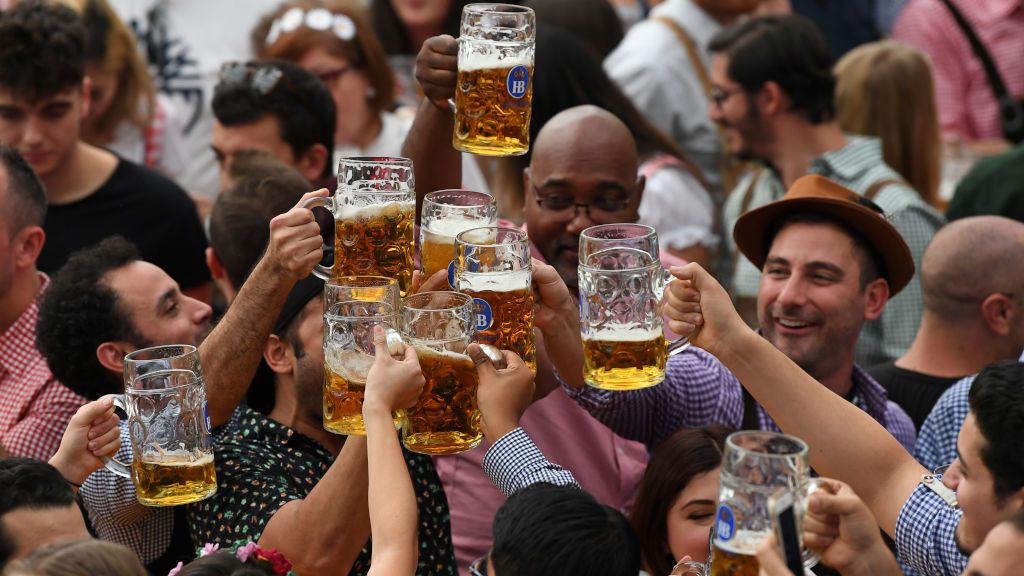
[(334, 281), (390, 315), (134, 356), (593, 269), (429, 197), (130, 388), (650, 231), (517, 231), (369, 160), (496, 8), (467, 300), (730, 442)]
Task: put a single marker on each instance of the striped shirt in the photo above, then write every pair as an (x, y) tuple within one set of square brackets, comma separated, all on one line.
[(967, 105), (858, 166)]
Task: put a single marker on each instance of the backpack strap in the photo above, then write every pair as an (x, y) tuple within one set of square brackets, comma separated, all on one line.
[(877, 186), (691, 50)]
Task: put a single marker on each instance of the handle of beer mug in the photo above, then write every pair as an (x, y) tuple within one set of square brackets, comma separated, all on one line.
[(395, 344), (113, 464), (810, 558), (321, 271)]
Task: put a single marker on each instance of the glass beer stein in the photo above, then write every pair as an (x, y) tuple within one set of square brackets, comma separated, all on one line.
[(374, 212), (604, 236), (445, 214), (353, 305), (494, 88), (494, 268), (445, 419), (620, 320), (165, 399)]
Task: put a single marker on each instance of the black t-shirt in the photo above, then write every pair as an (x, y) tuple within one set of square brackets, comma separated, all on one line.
[(144, 207), (913, 391)]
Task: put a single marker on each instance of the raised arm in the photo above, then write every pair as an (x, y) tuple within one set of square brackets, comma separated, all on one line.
[(429, 142), (391, 384), (845, 443), (231, 353)]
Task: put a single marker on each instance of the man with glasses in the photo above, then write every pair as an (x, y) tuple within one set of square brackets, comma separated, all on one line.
[(773, 96)]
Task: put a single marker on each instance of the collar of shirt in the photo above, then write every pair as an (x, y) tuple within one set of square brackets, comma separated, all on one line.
[(256, 427), (19, 341), (868, 394), (700, 26), (850, 162)]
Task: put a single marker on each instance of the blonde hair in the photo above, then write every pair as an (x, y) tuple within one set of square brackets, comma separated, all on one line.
[(885, 89), (79, 558), (112, 48)]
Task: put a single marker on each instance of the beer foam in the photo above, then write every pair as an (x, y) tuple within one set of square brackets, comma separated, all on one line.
[(176, 459), (622, 334), (452, 226), (744, 542), (493, 57), (352, 365), (495, 281), (349, 212), (424, 349)]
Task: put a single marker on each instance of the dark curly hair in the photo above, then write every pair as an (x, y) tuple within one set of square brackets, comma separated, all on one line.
[(79, 311), (788, 50), (301, 103), (42, 49), (997, 402)]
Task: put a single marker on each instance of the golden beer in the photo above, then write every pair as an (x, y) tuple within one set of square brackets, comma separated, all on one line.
[(738, 560), (506, 322), (492, 108), (437, 248), (176, 479), (344, 384), (624, 359), (445, 419), (375, 240)]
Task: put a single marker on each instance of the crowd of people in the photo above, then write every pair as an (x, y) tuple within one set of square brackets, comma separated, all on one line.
[(837, 188)]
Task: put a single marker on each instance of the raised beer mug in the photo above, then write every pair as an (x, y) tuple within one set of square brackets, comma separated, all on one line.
[(353, 305), (495, 269), (444, 215), (169, 427), (494, 88), (374, 212), (445, 419), (603, 236), (756, 466), (620, 319)]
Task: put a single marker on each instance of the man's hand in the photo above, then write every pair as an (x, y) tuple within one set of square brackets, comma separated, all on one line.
[(700, 309), (840, 527), (437, 69), (557, 316), (503, 395), (391, 383), (91, 435), (296, 245)]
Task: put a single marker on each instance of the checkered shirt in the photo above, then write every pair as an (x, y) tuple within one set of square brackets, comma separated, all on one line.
[(858, 165), (34, 407), (514, 462), (117, 515), (698, 390), (936, 445), (924, 534)]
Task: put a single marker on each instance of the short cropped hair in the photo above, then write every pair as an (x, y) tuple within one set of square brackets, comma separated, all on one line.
[(261, 187), (26, 196), (788, 50), (80, 311), (29, 483), (42, 49), (547, 530), (302, 104), (997, 401)]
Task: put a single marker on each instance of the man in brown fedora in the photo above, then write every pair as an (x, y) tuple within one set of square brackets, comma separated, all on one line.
[(830, 262)]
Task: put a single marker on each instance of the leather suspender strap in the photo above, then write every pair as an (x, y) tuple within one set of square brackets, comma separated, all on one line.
[(875, 188), (691, 50), (750, 420)]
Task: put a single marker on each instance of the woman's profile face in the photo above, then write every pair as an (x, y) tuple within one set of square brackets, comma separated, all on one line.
[(689, 519), (421, 13), (350, 89)]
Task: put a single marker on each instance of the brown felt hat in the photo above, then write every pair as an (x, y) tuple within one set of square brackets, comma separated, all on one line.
[(819, 195)]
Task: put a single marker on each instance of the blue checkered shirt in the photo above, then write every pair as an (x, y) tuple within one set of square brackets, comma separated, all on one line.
[(514, 462), (925, 534), (698, 390), (936, 445)]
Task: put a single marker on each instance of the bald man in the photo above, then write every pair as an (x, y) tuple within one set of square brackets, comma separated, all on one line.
[(973, 312)]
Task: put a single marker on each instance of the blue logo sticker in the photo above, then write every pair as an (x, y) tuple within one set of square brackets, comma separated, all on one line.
[(451, 274), (726, 524), (517, 81), (484, 317)]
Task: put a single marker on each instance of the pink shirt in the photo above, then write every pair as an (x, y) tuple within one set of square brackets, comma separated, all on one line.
[(34, 407), (967, 105)]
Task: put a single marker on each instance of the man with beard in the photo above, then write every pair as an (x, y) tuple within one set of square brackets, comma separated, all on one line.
[(106, 302), (772, 92), (830, 261)]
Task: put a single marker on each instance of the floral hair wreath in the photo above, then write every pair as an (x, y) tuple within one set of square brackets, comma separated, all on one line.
[(320, 19), (248, 553)]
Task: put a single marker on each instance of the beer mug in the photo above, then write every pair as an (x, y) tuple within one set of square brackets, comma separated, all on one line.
[(353, 305), (494, 268), (445, 214), (165, 399), (620, 319), (495, 80), (603, 236), (756, 466), (374, 212), (445, 419)]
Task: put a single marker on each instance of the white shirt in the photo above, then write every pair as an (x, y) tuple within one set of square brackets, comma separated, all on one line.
[(171, 153), (677, 206), (653, 68)]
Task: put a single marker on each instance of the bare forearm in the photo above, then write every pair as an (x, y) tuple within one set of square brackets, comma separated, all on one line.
[(429, 144), (324, 532), (564, 346), (392, 500), (231, 353)]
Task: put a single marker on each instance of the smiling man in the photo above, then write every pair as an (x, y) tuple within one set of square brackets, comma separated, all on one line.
[(830, 262)]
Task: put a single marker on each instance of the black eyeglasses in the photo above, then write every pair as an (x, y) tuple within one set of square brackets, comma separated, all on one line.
[(478, 567), (563, 205)]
